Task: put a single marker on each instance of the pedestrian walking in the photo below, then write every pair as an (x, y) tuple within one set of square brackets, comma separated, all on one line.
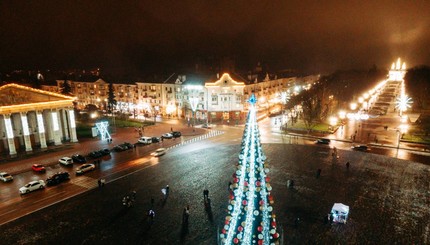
[(185, 214), (347, 165), (103, 182), (151, 214), (318, 173), (171, 129), (205, 194), (290, 184), (99, 182), (167, 189), (133, 195), (296, 223)]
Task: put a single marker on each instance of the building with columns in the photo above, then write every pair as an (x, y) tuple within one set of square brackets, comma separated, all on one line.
[(32, 118)]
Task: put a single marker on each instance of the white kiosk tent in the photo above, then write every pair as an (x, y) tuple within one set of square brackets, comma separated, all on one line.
[(340, 212)]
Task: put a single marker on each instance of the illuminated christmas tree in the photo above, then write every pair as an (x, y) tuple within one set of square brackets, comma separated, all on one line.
[(250, 219)]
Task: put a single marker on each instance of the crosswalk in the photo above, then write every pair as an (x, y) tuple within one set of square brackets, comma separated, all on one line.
[(212, 133), (85, 182)]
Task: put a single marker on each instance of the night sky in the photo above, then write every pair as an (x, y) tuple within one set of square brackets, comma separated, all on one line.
[(149, 36)]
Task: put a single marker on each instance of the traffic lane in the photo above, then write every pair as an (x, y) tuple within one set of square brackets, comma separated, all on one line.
[(11, 189), (22, 205), (373, 182), (106, 220), (115, 163)]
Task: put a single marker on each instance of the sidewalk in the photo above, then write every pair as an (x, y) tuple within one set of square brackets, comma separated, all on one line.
[(48, 157), (415, 147)]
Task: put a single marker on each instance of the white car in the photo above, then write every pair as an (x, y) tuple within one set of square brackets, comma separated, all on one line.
[(85, 168), (145, 140), (5, 177), (159, 152), (66, 161), (167, 136), (32, 186)]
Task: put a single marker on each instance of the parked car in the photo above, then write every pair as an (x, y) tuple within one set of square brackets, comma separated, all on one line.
[(104, 152), (323, 141), (79, 158), (32, 186), (208, 126), (119, 148), (127, 145), (360, 148), (159, 152), (5, 177), (66, 161), (144, 140), (85, 168), (57, 178), (95, 154), (155, 139), (176, 134), (38, 168), (167, 136)]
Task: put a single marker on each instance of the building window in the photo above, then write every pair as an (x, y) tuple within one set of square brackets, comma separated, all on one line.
[(238, 99), (214, 100)]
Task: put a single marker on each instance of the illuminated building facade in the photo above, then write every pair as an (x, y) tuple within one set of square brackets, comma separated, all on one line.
[(225, 98), (32, 118), (397, 71), (220, 98)]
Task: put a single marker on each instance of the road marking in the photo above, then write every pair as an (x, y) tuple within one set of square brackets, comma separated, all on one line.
[(123, 176), (49, 197), (8, 212), (84, 181), (91, 183)]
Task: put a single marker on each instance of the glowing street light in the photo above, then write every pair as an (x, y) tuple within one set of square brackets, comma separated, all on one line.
[(353, 106), (342, 114), (333, 121)]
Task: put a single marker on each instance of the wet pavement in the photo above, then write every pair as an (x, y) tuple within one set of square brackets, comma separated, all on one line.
[(23, 161), (389, 199)]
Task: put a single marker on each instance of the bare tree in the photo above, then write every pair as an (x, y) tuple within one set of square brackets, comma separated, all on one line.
[(311, 109)]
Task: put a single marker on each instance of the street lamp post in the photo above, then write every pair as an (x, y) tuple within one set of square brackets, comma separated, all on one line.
[(403, 128), (207, 105)]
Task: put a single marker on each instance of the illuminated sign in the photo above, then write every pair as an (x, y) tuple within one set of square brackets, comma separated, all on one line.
[(40, 123), (55, 121), (9, 130)]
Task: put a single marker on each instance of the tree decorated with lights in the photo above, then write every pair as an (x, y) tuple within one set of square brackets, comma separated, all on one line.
[(250, 219)]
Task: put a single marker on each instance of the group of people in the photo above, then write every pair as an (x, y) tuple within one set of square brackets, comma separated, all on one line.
[(128, 200)]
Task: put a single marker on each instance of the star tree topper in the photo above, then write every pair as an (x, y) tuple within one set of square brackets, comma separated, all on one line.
[(252, 100)]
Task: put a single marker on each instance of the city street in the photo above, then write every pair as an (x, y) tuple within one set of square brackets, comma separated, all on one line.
[(388, 199)]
